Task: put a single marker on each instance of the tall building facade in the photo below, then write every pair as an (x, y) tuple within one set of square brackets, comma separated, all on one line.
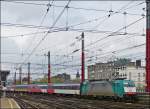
[(101, 71), (132, 71)]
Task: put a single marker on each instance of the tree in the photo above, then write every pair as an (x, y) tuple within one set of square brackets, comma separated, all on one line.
[(45, 80)]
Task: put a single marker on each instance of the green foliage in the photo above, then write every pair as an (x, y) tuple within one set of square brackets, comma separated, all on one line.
[(75, 81), (17, 82), (45, 80)]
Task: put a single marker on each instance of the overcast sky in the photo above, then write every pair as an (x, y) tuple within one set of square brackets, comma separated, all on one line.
[(63, 43)]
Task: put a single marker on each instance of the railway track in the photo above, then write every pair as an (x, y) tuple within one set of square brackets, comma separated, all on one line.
[(60, 102), (24, 104)]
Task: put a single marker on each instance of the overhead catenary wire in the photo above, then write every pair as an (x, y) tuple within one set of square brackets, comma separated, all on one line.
[(101, 55), (77, 8), (78, 29), (119, 50), (134, 34), (89, 21), (114, 32), (79, 64), (78, 50), (114, 14), (109, 52), (133, 6), (46, 27), (42, 21), (49, 31), (37, 64), (129, 25), (70, 44), (105, 54), (23, 35), (69, 28), (65, 68), (116, 41), (111, 34), (116, 51)]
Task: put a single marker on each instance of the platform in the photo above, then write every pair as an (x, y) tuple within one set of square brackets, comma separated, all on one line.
[(8, 103)]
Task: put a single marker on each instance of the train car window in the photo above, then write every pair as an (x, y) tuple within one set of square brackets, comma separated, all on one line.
[(72, 87), (21, 86), (75, 87), (104, 84), (35, 87), (53, 87), (56, 87), (44, 87), (63, 87), (50, 87), (66, 87)]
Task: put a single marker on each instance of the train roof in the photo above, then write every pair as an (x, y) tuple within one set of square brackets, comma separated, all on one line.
[(53, 84), (64, 84)]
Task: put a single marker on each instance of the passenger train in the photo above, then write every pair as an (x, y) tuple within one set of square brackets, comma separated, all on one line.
[(115, 88)]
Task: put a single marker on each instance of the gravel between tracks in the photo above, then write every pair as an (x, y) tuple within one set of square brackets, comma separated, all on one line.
[(60, 102)]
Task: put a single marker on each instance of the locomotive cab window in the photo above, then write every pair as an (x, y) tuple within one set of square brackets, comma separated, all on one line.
[(129, 84)]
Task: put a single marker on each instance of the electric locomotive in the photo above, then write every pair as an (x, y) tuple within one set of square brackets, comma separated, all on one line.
[(115, 88)]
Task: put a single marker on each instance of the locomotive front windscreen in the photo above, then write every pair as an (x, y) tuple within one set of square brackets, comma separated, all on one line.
[(129, 84)]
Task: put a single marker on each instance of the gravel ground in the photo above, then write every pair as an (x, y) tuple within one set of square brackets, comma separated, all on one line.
[(60, 102)]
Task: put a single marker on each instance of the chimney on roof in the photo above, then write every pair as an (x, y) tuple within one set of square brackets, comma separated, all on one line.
[(138, 63)]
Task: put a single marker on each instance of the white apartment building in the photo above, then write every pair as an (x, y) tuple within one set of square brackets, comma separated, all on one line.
[(137, 74)]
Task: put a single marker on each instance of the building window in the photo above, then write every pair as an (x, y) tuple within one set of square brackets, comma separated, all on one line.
[(129, 75)]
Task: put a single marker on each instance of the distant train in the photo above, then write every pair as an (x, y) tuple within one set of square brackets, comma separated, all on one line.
[(115, 88)]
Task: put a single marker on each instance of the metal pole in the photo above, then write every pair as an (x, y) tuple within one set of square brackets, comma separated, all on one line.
[(148, 46), (49, 70), (20, 74), (82, 59), (0, 61), (15, 79), (29, 73)]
